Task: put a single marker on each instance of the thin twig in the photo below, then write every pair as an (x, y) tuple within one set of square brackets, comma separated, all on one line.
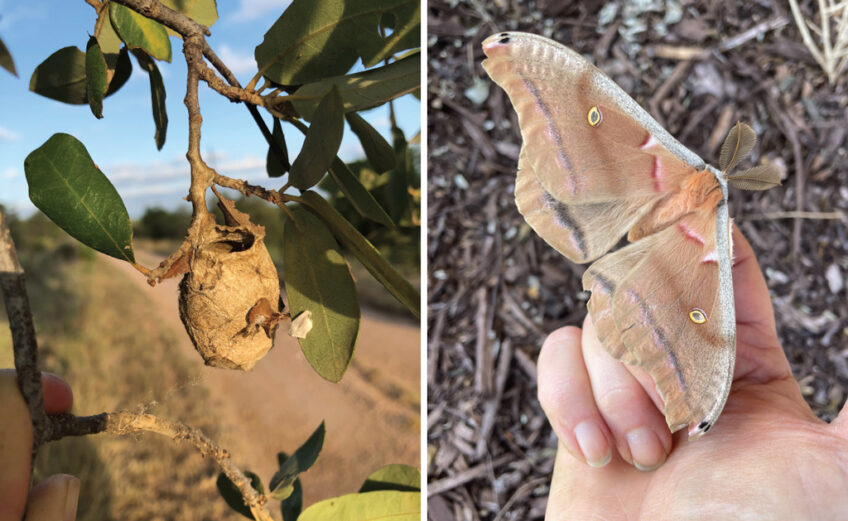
[(689, 52), (24, 342), (520, 494), (483, 346), (677, 75), (754, 32), (122, 423), (492, 405), (248, 189), (443, 485), (771, 216), (177, 21)]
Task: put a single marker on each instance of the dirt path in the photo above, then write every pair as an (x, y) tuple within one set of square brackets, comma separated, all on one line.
[(372, 416)]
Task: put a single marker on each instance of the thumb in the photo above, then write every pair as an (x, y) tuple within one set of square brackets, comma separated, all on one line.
[(54, 499)]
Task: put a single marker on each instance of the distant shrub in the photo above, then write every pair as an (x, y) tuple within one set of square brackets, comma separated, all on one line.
[(158, 223)]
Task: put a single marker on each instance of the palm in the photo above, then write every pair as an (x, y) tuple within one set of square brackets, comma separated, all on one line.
[(768, 456)]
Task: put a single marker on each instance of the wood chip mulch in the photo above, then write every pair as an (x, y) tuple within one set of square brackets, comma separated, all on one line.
[(496, 289)]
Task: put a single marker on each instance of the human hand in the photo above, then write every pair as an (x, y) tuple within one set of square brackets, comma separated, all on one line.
[(55, 498), (767, 457)]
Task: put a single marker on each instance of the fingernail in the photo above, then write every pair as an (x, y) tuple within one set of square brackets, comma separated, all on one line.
[(645, 449), (71, 499), (593, 444)]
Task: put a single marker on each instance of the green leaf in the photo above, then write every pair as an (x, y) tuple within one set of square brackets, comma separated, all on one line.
[(378, 151), (61, 77), (6, 60), (204, 12), (95, 77), (321, 143), (318, 279), (118, 66), (110, 42), (232, 495), (363, 90), (359, 197), (140, 32), (367, 254), (292, 505), (282, 483), (67, 186), (313, 40), (307, 454), (406, 33), (393, 477), (272, 163), (397, 188), (381, 505), (157, 96), (123, 69)]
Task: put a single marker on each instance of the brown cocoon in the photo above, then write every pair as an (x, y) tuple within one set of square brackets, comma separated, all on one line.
[(230, 274)]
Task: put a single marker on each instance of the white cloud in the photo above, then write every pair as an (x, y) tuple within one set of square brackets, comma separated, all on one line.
[(252, 9), (172, 177), (11, 173), (154, 189), (175, 169), (238, 62), (244, 164), (8, 134)]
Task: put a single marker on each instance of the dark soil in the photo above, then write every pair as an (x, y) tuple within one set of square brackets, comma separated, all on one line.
[(496, 289)]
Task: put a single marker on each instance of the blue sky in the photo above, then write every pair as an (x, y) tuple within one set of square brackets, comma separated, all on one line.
[(122, 142)]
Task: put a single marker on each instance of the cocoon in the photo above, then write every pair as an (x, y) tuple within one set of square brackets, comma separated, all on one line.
[(229, 298)]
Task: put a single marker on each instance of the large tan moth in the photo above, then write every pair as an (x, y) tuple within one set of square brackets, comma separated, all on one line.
[(593, 166)]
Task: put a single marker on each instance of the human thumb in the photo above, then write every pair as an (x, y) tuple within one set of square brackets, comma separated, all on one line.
[(54, 499)]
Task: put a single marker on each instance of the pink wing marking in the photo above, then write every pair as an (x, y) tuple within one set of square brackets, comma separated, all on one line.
[(690, 233), (649, 143), (657, 175), (710, 257)]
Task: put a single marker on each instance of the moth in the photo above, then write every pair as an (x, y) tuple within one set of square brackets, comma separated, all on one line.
[(593, 166)]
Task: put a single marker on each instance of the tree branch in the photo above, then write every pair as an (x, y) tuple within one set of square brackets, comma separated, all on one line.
[(247, 189), (166, 16), (122, 423), (201, 176), (24, 342)]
